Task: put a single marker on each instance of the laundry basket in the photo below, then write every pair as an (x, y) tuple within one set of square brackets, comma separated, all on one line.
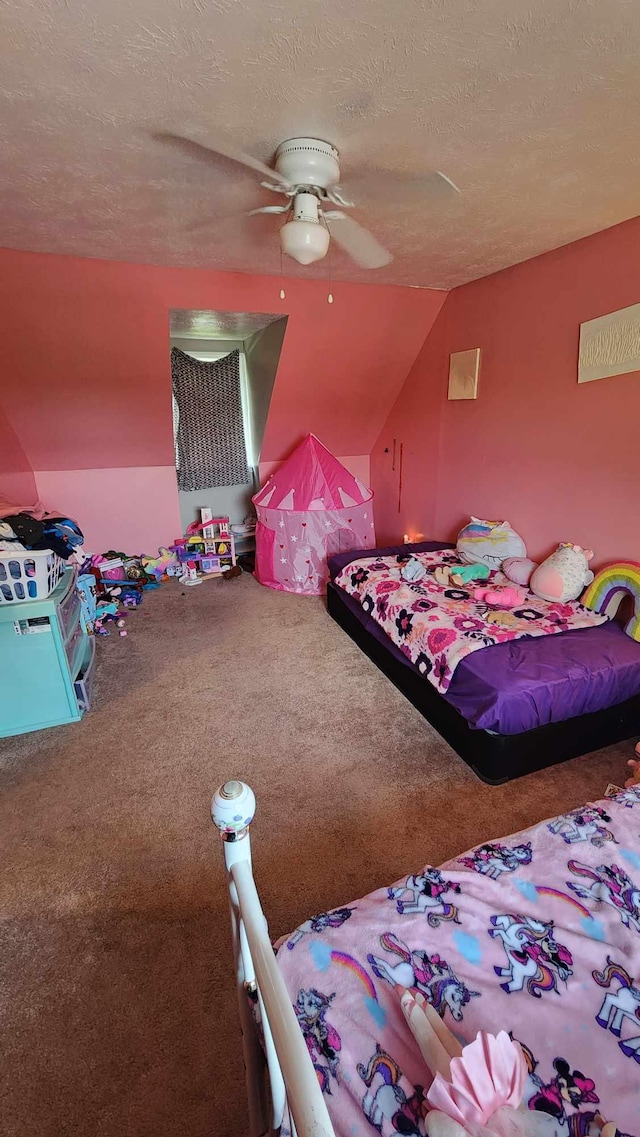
[(28, 575)]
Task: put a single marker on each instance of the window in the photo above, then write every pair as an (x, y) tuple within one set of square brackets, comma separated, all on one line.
[(211, 443)]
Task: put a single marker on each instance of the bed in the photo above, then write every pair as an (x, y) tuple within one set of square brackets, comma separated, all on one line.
[(513, 707), (536, 934)]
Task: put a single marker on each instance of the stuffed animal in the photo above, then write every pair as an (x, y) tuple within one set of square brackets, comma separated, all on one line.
[(519, 570), (159, 566), (413, 571), (564, 574), (489, 543), (459, 575), (501, 597)]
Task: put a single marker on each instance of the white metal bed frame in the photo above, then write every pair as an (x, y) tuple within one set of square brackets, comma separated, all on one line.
[(283, 1065)]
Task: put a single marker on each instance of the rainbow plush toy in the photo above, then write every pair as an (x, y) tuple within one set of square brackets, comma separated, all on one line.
[(608, 588)]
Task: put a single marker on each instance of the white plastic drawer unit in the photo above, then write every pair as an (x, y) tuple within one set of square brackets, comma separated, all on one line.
[(44, 650)]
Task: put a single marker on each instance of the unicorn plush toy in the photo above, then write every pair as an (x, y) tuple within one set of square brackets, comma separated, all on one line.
[(563, 575)]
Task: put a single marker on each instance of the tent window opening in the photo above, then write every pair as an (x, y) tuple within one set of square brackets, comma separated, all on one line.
[(211, 419)]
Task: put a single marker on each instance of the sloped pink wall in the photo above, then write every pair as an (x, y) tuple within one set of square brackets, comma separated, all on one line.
[(17, 483), (557, 459), (405, 458), (87, 346)]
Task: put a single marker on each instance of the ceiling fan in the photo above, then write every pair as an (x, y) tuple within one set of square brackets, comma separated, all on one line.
[(307, 173)]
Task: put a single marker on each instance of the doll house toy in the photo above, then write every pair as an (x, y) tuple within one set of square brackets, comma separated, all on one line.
[(210, 552)]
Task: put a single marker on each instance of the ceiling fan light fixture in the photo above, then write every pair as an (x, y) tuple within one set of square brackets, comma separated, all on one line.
[(305, 238), (305, 241)]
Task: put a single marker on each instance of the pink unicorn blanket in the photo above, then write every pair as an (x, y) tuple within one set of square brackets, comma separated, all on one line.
[(537, 935), (436, 626)]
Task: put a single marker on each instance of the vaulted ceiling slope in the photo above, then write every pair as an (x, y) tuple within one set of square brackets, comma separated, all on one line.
[(530, 106)]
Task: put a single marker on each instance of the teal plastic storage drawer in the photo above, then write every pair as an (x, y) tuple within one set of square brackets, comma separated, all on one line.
[(43, 646)]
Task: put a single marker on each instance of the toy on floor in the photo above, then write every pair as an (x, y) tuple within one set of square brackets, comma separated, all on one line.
[(502, 596), (86, 586), (489, 543), (159, 566), (190, 574), (212, 554), (232, 573), (459, 575), (564, 574), (519, 570), (609, 588)]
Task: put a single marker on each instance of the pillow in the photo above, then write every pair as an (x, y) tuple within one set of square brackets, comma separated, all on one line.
[(519, 570), (489, 543), (564, 574)]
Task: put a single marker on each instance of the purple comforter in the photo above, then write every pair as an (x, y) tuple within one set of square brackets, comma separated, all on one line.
[(516, 686)]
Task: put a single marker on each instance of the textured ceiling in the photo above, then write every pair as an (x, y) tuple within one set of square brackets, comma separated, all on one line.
[(188, 323), (531, 106)]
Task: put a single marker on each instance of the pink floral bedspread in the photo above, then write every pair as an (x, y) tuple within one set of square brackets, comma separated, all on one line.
[(436, 626), (537, 934)]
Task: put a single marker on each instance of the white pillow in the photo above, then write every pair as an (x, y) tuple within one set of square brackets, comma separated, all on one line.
[(489, 543)]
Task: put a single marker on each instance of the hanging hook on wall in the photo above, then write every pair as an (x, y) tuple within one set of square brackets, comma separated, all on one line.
[(400, 477)]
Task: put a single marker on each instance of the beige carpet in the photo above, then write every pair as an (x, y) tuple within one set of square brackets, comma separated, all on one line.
[(117, 993)]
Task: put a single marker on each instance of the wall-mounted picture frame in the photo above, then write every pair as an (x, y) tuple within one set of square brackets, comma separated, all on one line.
[(610, 345), (464, 370)]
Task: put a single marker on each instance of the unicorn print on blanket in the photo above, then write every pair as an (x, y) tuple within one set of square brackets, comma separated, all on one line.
[(629, 797), (391, 1104), (610, 885), (583, 825), (619, 1005), (426, 894), (556, 1098), (536, 960), (493, 860), (567, 1089), (430, 974), (318, 924), (323, 1041)]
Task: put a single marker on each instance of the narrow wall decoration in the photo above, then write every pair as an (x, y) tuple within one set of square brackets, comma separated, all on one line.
[(610, 345), (464, 368)]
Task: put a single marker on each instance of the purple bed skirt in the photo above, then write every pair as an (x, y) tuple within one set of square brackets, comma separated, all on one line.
[(522, 684)]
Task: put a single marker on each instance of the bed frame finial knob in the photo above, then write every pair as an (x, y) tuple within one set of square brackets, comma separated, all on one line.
[(233, 809)]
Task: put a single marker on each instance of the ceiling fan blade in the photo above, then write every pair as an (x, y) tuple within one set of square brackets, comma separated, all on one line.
[(371, 185), (359, 243), (221, 149), (269, 209)]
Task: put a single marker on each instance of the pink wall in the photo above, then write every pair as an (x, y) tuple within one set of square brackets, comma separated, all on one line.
[(557, 459), (87, 346), (17, 483), (132, 509)]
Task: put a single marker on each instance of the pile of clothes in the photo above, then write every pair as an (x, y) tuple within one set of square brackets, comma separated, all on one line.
[(23, 531)]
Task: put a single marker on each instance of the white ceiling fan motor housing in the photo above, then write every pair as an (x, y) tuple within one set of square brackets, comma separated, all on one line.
[(305, 207), (308, 162)]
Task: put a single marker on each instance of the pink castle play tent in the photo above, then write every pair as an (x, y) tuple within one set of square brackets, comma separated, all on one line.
[(311, 508)]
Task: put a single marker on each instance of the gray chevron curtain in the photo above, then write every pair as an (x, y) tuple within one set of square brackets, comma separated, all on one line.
[(210, 445)]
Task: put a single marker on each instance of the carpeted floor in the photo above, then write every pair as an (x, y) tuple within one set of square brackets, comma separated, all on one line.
[(118, 1004)]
